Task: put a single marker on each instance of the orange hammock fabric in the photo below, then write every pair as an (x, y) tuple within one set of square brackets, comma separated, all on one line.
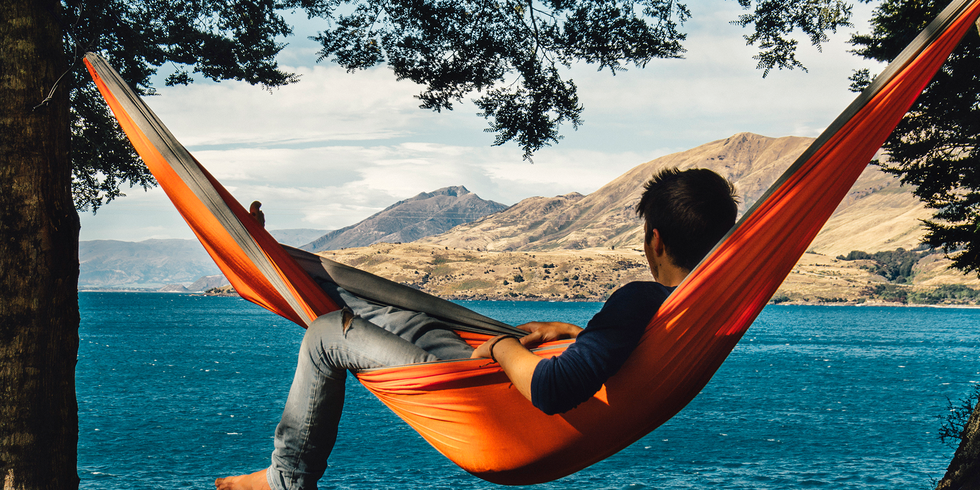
[(467, 409)]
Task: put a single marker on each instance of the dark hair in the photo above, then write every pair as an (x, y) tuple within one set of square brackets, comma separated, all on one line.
[(692, 209)]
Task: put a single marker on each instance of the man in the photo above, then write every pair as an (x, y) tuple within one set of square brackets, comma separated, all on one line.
[(686, 214)]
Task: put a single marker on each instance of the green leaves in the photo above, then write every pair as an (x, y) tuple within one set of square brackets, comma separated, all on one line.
[(936, 147), (216, 39), (776, 20), (531, 113), (102, 157), (509, 52)]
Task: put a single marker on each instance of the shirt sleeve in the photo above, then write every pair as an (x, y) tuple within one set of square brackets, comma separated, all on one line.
[(563, 382)]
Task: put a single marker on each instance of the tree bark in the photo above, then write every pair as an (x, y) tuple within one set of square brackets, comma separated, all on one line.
[(38, 255), (964, 469)]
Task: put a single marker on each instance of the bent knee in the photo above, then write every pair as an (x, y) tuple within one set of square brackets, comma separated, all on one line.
[(325, 328)]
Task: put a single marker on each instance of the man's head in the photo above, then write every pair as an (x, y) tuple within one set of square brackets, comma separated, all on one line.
[(691, 211)]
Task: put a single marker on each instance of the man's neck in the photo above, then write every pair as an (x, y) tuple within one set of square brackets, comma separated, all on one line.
[(671, 275)]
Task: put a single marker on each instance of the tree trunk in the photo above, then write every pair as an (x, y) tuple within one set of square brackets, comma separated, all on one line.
[(38, 255), (964, 469)]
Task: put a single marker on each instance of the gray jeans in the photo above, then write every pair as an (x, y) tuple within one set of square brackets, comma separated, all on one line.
[(378, 336)]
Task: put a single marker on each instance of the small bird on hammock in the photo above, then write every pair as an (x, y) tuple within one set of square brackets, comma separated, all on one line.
[(257, 213)]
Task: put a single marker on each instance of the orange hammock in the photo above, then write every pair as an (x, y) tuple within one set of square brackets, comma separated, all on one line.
[(467, 409)]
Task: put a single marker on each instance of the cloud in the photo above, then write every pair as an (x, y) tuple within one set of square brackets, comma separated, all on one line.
[(337, 147), (137, 216), (716, 90), (326, 105), (335, 186)]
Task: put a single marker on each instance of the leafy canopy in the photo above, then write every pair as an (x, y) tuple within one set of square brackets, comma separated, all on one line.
[(775, 21), (935, 147), (509, 54), (218, 39), (509, 51)]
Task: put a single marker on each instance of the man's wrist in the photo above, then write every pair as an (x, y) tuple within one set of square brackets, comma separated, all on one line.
[(496, 341)]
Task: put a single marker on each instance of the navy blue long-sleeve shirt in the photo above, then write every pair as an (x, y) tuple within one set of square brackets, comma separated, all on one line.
[(563, 382)]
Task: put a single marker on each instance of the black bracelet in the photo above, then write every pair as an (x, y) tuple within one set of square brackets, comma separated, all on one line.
[(498, 339)]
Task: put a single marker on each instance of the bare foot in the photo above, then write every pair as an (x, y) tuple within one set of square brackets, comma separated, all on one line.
[(255, 481)]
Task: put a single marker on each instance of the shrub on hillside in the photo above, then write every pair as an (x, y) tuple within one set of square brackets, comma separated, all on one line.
[(887, 292), (894, 265), (947, 293)]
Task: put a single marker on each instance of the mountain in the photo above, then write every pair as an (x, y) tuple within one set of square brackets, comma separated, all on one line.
[(296, 236), (878, 214), (150, 263), (154, 263), (426, 214), (203, 284), (576, 247), (208, 282)]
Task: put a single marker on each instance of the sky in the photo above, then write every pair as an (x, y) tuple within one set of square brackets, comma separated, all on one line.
[(337, 147)]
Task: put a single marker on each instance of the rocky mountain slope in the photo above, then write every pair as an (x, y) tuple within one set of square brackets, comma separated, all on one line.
[(426, 214), (581, 247)]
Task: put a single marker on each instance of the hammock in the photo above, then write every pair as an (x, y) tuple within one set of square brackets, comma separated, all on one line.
[(467, 409)]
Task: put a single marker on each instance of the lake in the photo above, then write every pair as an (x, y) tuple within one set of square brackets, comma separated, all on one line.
[(175, 390)]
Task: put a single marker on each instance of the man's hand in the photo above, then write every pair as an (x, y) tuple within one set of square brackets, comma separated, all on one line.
[(518, 362), (541, 332), (515, 358), (484, 349)]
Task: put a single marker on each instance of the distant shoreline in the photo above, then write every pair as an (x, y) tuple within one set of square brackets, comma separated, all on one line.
[(872, 304), (550, 300)]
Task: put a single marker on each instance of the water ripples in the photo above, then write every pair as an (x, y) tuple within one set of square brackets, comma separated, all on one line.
[(175, 390)]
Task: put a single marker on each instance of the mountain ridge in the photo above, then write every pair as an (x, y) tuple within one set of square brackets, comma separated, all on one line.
[(408, 220), (878, 214), (151, 263)]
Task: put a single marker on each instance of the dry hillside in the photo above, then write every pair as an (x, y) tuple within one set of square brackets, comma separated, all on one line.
[(878, 214), (582, 247), (470, 274)]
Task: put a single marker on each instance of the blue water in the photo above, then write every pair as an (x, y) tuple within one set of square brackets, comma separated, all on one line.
[(175, 390)]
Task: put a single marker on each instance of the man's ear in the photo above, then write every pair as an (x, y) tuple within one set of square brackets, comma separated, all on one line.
[(656, 243)]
